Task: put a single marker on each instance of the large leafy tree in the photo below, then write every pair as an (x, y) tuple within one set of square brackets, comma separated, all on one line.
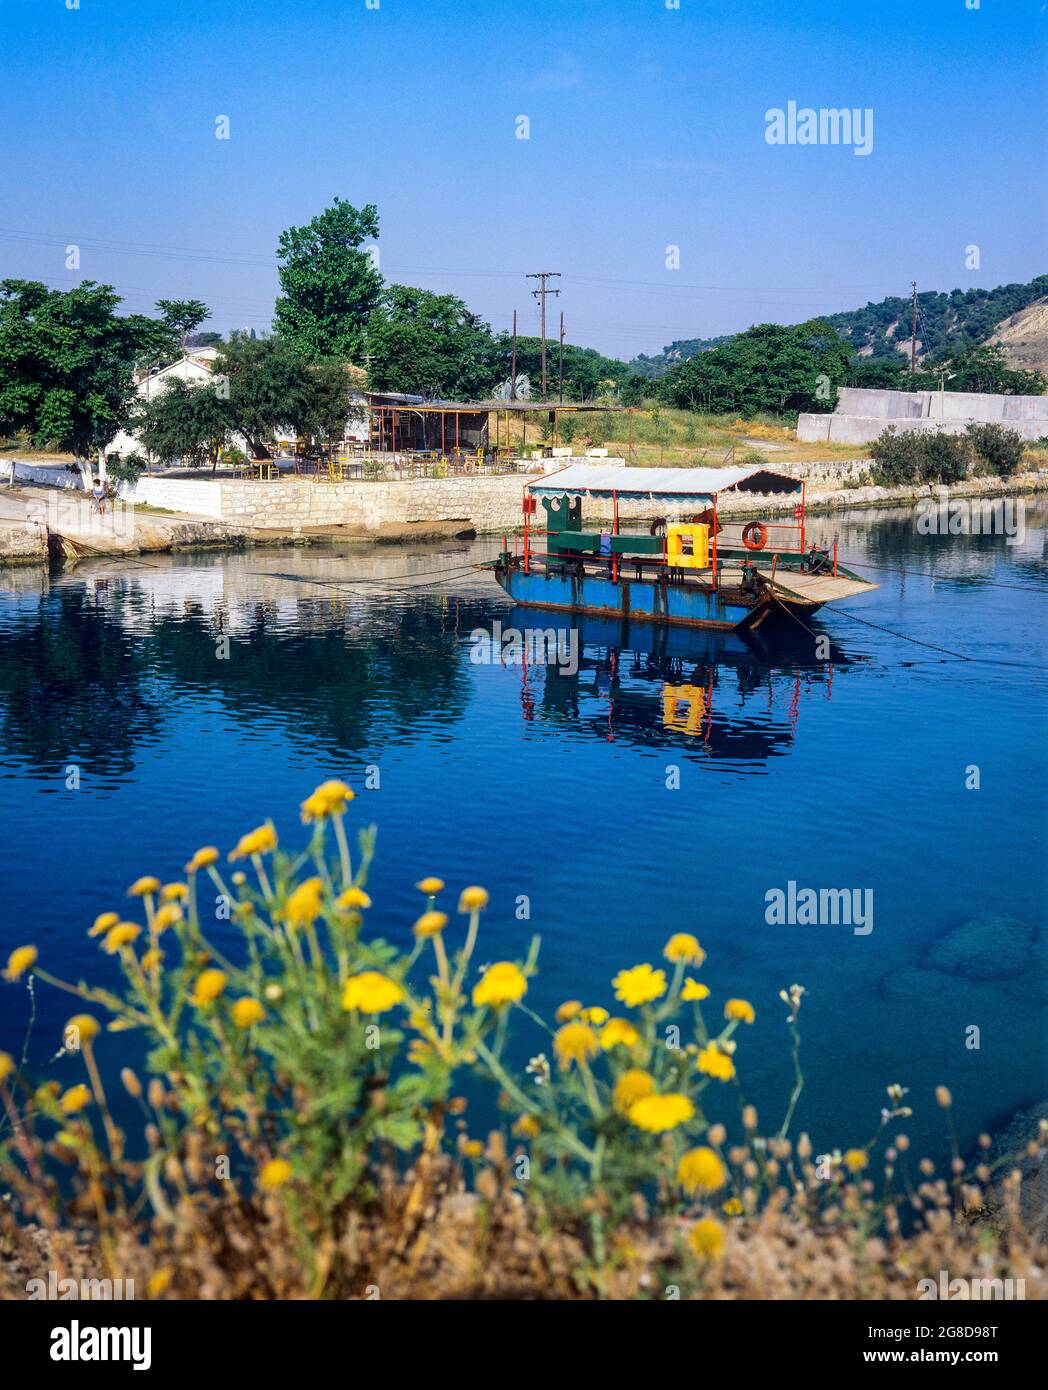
[(271, 386), (186, 421), (67, 361), (182, 316), (768, 368), (430, 343), (329, 285)]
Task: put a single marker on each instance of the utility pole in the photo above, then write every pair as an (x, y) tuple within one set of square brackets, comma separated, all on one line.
[(540, 294), (562, 357), (513, 362), (913, 328)]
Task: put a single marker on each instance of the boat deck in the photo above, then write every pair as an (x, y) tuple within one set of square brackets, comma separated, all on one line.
[(814, 588)]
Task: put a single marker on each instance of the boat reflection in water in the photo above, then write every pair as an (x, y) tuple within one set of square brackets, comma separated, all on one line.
[(725, 694)]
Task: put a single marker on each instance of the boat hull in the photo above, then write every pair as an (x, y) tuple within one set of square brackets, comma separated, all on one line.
[(686, 605)]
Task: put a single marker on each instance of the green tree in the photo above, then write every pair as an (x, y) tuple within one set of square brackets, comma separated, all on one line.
[(67, 363), (768, 368), (431, 344), (181, 316), (984, 368), (329, 286), (270, 387), (587, 373), (186, 421)]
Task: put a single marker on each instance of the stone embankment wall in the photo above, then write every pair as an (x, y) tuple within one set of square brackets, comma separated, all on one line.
[(488, 504)]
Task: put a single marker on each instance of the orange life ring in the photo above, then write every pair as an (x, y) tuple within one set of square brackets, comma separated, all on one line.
[(755, 536)]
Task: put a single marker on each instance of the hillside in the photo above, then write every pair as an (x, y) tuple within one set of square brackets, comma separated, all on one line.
[(1016, 316)]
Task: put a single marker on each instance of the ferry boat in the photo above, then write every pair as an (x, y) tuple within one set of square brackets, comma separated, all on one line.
[(688, 568)]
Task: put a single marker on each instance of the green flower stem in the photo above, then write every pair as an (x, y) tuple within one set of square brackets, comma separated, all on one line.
[(499, 1072)]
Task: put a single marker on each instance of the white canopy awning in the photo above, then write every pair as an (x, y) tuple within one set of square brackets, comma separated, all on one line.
[(601, 480)]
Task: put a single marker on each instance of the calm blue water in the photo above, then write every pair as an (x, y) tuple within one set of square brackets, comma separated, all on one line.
[(848, 773)]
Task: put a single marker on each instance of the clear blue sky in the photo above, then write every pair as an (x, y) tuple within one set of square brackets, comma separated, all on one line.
[(647, 129)]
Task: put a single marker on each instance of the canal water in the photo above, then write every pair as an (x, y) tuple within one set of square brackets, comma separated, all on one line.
[(671, 782)]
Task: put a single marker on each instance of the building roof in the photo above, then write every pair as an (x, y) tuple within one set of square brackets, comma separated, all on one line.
[(601, 480)]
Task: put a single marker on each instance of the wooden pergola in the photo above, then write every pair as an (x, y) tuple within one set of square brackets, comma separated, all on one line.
[(445, 423)]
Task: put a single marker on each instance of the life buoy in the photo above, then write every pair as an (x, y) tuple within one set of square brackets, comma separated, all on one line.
[(755, 536)]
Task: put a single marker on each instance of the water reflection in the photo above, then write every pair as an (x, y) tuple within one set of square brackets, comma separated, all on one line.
[(734, 698)]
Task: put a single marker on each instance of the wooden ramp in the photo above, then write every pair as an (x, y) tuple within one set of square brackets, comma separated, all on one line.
[(815, 588)]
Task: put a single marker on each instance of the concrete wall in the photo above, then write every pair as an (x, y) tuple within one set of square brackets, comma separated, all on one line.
[(43, 475), (861, 414), (197, 496)]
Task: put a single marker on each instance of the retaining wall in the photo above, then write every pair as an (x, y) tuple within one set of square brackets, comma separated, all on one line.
[(861, 414)]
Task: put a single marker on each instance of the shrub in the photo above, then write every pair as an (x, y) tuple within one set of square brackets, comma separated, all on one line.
[(919, 458), (126, 468), (299, 1072), (1000, 449)]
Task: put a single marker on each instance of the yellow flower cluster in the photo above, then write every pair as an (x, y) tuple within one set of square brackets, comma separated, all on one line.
[(640, 985), (371, 992), (262, 840), (502, 983), (329, 799), (19, 961)]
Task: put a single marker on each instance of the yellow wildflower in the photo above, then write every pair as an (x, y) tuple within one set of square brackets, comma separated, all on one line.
[(262, 840), (501, 983), (684, 947), (632, 1085), (657, 1114), (618, 1032), (732, 1207), (431, 886), (103, 922), (208, 987), (431, 924), (75, 1099), (119, 936), (144, 886), (713, 1062), (84, 1027), (7, 1065), (596, 1015), (247, 1012), (473, 899), (693, 990), (303, 905), (740, 1009), (472, 1148), (274, 1174), (19, 961), (706, 1238), (329, 799), (167, 914), (352, 898), (174, 892), (527, 1127), (701, 1170), (203, 859), (151, 960), (568, 1010), (575, 1042), (640, 985), (855, 1160), (371, 992)]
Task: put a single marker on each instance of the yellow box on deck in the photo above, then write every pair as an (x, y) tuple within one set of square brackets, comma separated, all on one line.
[(688, 547)]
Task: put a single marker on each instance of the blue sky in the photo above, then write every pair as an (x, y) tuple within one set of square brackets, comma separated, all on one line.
[(647, 131)]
